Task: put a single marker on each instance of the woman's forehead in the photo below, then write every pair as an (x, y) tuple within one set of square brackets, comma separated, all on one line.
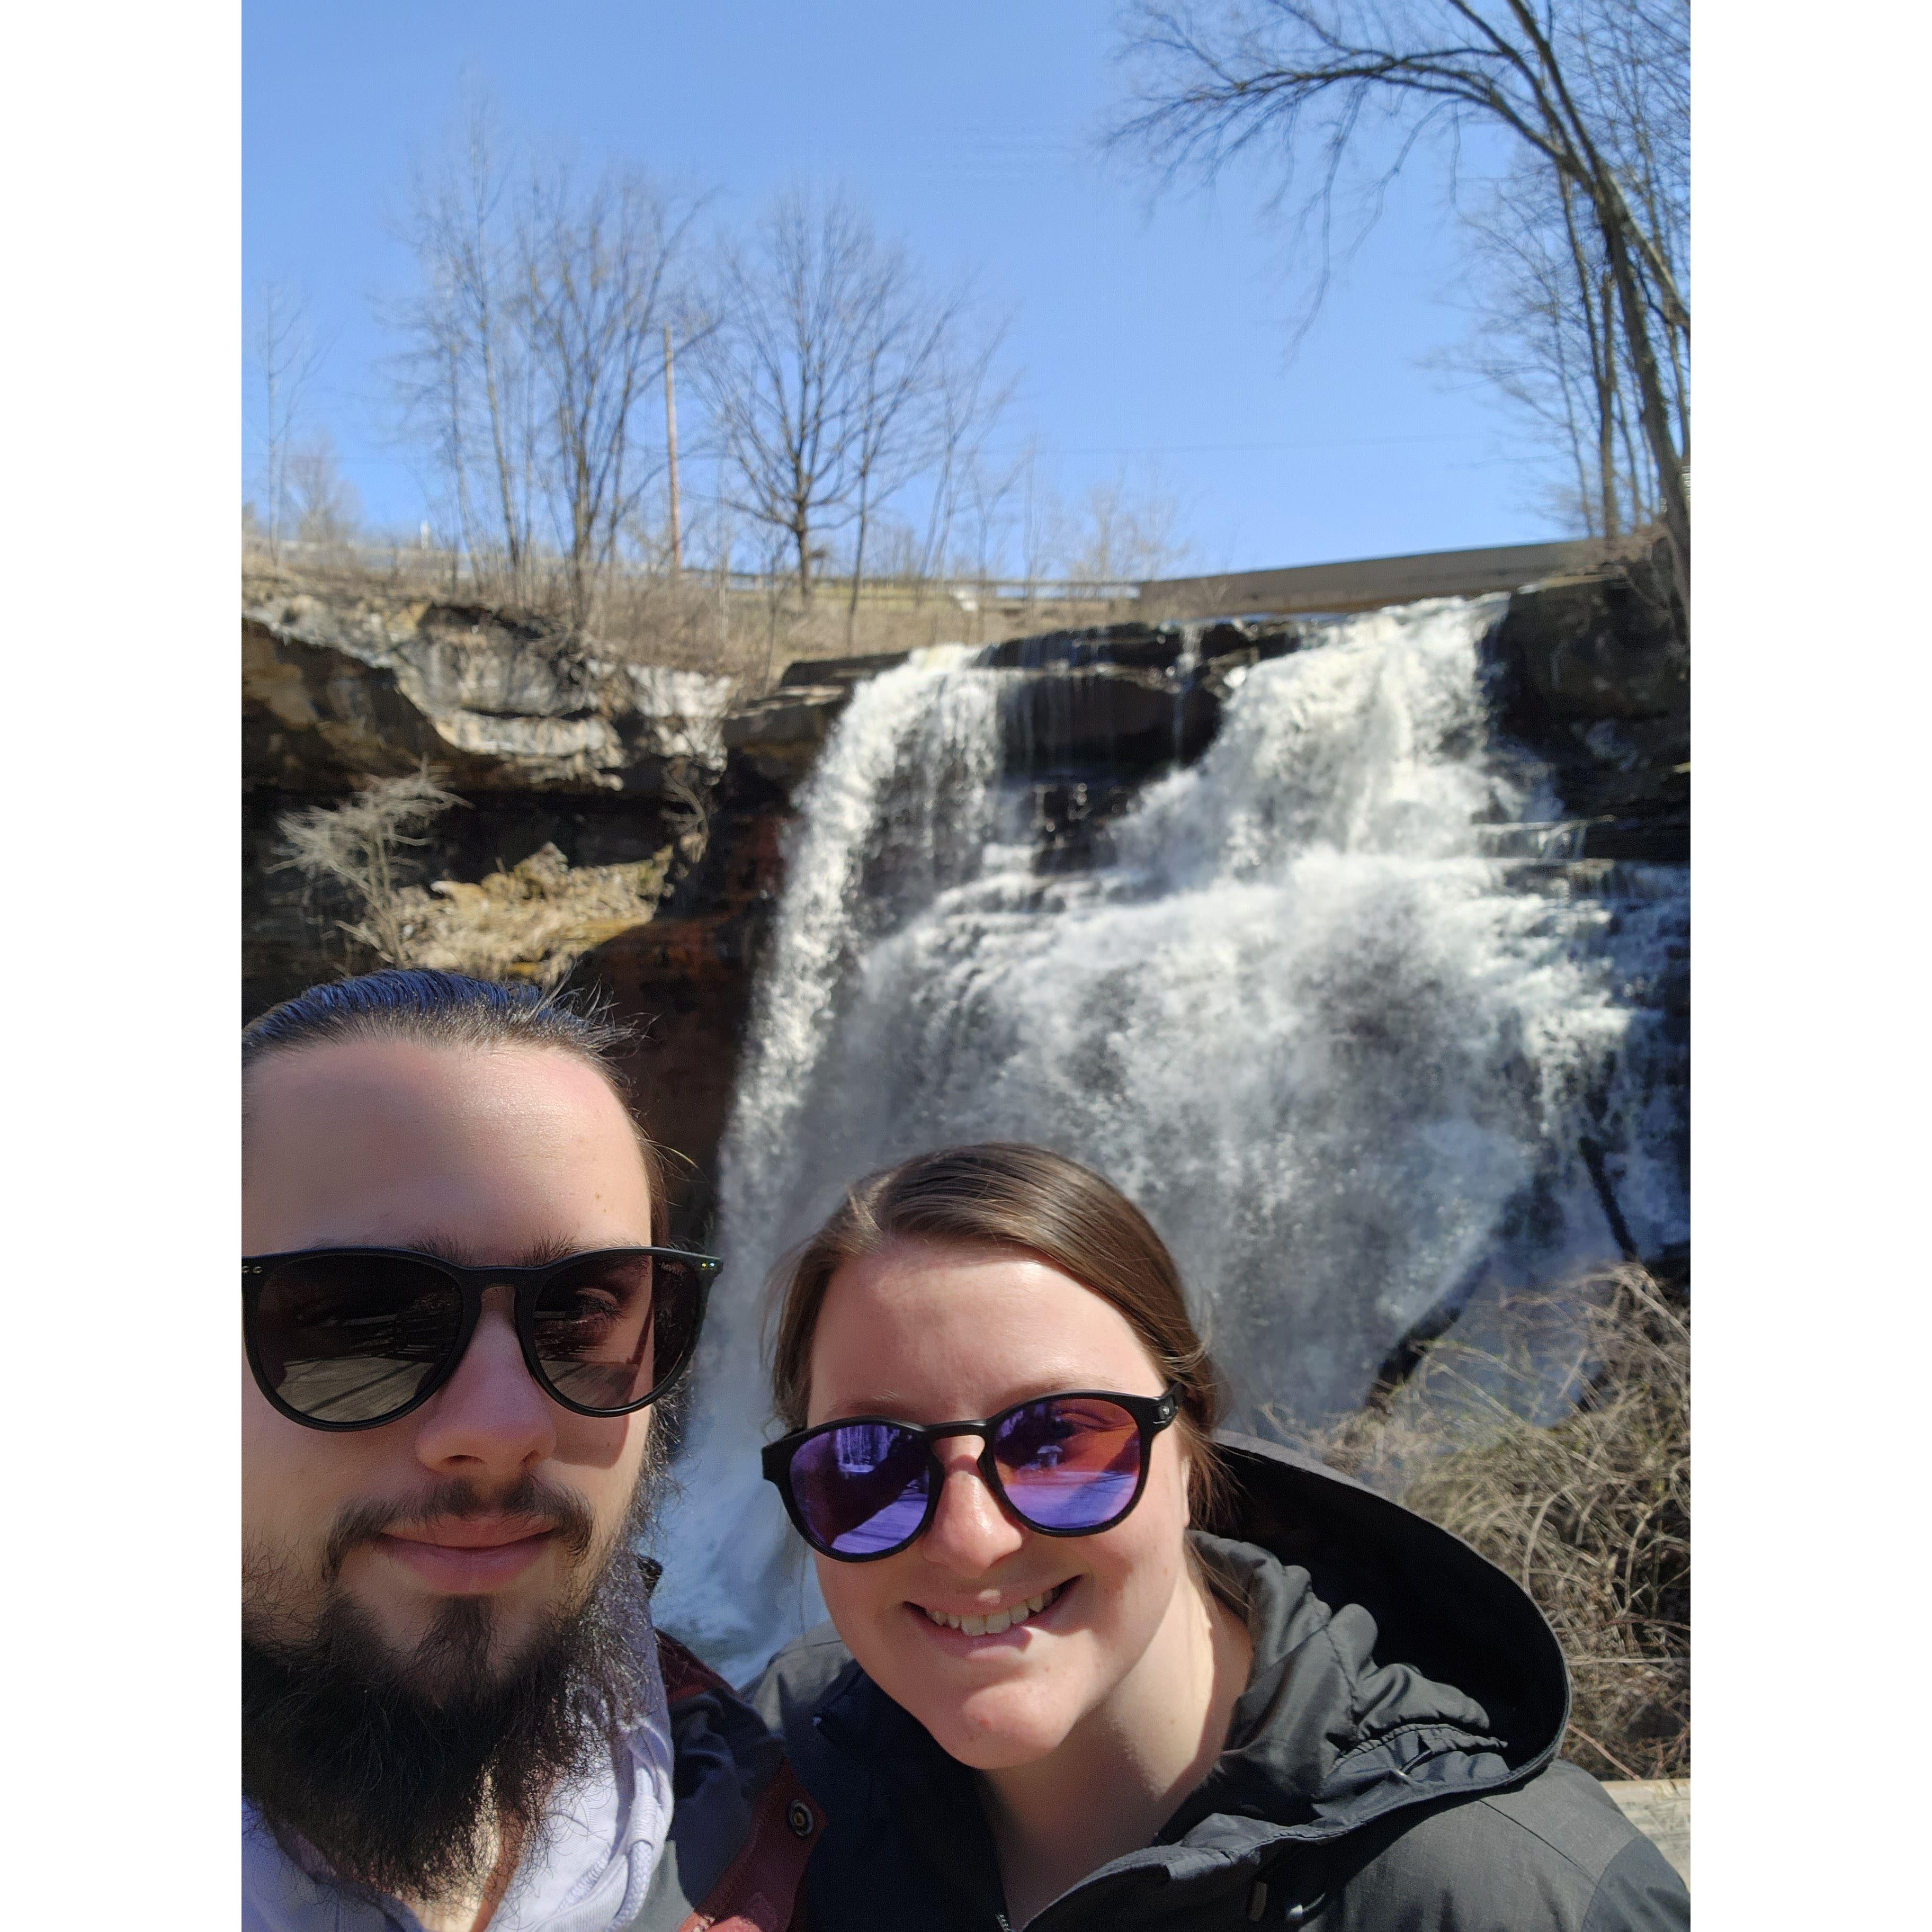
[(966, 1330)]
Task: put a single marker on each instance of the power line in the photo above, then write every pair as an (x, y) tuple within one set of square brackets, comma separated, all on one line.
[(1108, 449)]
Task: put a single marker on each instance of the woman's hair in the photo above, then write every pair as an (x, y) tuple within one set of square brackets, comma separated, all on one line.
[(450, 1009), (1005, 1194)]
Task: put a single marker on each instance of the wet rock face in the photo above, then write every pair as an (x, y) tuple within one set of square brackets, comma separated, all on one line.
[(775, 739), (1591, 672)]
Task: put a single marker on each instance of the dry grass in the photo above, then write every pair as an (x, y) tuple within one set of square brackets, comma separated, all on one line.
[(695, 623), (1591, 1513)]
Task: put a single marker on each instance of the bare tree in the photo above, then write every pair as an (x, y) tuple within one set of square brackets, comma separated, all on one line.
[(1119, 534), (362, 848), (287, 354), (901, 423), (1036, 518), (1315, 80), (536, 337), (823, 379), (971, 401), (462, 373), (597, 292), (323, 505), (1547, 333)]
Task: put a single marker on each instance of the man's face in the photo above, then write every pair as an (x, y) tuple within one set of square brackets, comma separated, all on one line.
[(505, 1156)]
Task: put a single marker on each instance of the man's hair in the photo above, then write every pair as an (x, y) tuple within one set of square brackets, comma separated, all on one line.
[(450, 1009), (1006, 1194)]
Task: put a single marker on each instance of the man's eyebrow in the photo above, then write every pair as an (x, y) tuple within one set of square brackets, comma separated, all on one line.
[(444, 1245)]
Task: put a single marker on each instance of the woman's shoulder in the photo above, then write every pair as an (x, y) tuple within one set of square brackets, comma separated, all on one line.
[(802, 1675)]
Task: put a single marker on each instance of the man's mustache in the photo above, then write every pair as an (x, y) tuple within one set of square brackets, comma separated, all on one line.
[(567, 1514)]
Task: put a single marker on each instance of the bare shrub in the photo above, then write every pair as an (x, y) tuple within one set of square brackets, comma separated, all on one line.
[(362, 848), (1590, 1513), (533, 921)]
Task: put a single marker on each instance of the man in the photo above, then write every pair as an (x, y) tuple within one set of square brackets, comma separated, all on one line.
[(459, 1313)]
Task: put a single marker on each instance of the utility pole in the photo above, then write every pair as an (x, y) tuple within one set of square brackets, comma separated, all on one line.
[(671, 437)]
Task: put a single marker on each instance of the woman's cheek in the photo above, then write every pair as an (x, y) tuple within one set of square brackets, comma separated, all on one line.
[(858, 1600)]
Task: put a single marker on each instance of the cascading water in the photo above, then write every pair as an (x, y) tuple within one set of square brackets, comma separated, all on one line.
[(1328, 1011)]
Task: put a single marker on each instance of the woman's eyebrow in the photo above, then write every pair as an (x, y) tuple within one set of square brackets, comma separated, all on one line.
[(898, 1407)]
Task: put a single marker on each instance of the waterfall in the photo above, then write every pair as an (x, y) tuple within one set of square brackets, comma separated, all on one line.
[(1328, 1005)]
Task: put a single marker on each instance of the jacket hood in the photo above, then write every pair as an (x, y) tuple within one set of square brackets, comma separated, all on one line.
[(1392, 1665)]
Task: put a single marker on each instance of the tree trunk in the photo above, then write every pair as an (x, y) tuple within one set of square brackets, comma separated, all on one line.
[(858, 567), (1654, 410), (671, 445), (1607, 416)]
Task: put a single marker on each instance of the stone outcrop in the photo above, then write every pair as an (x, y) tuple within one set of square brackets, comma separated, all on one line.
[(333, 689), (1592, 673), (777, 737), (533, 921)]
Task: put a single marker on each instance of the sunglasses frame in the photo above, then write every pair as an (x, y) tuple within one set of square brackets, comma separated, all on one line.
[(470, 1284), (1150, 1413)]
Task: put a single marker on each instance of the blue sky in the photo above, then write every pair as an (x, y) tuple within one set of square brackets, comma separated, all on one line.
[(1154, 341)]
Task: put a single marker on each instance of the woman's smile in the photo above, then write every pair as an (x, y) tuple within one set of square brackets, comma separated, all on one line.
[(982, 1620)]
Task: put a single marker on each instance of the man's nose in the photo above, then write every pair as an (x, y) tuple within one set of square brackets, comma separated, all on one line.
[(969, 1532), (490, 1420)]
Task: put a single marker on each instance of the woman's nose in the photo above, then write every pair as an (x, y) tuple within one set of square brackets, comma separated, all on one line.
[(969, 1532)]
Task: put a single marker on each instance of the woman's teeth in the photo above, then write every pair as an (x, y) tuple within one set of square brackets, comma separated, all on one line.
[(999, 1620)]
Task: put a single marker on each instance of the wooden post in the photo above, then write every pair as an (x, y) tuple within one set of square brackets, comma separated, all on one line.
[(670, 438)]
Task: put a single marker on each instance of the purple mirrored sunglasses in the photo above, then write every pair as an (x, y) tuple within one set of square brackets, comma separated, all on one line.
[(865, 1486)]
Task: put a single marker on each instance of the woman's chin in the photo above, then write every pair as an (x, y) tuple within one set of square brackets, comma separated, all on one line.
[(999, 1730)]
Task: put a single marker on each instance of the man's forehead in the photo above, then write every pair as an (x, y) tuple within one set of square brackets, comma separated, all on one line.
[(396, 1143), (404, 1079)]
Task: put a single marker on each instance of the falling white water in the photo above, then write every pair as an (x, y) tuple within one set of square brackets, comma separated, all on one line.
[(1329, 1014)]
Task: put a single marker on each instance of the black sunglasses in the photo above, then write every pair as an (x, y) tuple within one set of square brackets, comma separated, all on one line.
[(351, 1338), (865, 1486)]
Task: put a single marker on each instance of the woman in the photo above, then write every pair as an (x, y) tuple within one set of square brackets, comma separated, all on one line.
[(1051, 1695)]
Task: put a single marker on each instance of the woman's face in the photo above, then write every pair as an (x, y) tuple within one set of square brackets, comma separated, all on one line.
[(930, 1332)]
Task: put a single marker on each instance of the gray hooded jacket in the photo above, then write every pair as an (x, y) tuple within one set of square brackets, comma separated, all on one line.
[(1391, 1766)]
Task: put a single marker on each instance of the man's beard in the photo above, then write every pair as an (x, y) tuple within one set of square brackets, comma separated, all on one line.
[(406, 1773)]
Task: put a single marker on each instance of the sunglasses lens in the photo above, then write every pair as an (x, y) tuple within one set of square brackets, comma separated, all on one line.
[(347, 1338), (862, 1488), (616, 1328), (1069, 1462)]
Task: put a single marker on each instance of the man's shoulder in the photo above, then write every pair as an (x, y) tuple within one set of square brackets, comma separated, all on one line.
[(716, 1734), (1554, 1851)]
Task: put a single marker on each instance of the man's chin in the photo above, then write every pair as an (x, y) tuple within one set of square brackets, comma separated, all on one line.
[(385, 1748), (431, 1639)]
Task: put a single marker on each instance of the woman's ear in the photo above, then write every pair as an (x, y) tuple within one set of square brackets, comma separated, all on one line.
[(1190, 1480)]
